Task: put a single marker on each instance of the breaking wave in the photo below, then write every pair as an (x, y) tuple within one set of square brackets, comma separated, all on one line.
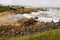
[(43, 16)]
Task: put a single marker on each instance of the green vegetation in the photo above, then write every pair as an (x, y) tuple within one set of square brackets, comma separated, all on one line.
[(47, 35), (4, 8), (15, 9), (20, 9), (7, 8)]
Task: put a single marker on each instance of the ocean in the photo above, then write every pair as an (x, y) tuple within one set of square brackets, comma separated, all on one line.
[(43, 16)]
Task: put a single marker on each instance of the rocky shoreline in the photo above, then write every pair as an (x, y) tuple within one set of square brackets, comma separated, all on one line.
[(26, 26)]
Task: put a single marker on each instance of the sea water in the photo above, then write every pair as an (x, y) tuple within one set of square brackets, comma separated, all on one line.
[(43, 16)]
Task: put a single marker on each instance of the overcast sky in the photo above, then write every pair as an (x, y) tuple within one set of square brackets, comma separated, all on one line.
[(37, 3)]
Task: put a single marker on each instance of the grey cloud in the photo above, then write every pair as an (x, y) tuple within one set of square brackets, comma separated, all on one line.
[(38, 3)]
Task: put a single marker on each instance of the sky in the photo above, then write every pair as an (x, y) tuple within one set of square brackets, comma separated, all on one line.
[(36, 3)]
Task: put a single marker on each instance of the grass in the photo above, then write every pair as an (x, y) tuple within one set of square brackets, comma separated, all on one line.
[(47, 35), (4, 8), (19, 9)]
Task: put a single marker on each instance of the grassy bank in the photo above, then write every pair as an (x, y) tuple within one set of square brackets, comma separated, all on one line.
[(4, 8), (20, 9), (47, 35)]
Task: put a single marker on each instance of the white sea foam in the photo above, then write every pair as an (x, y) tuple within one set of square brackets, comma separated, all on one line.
[(43, 16)]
